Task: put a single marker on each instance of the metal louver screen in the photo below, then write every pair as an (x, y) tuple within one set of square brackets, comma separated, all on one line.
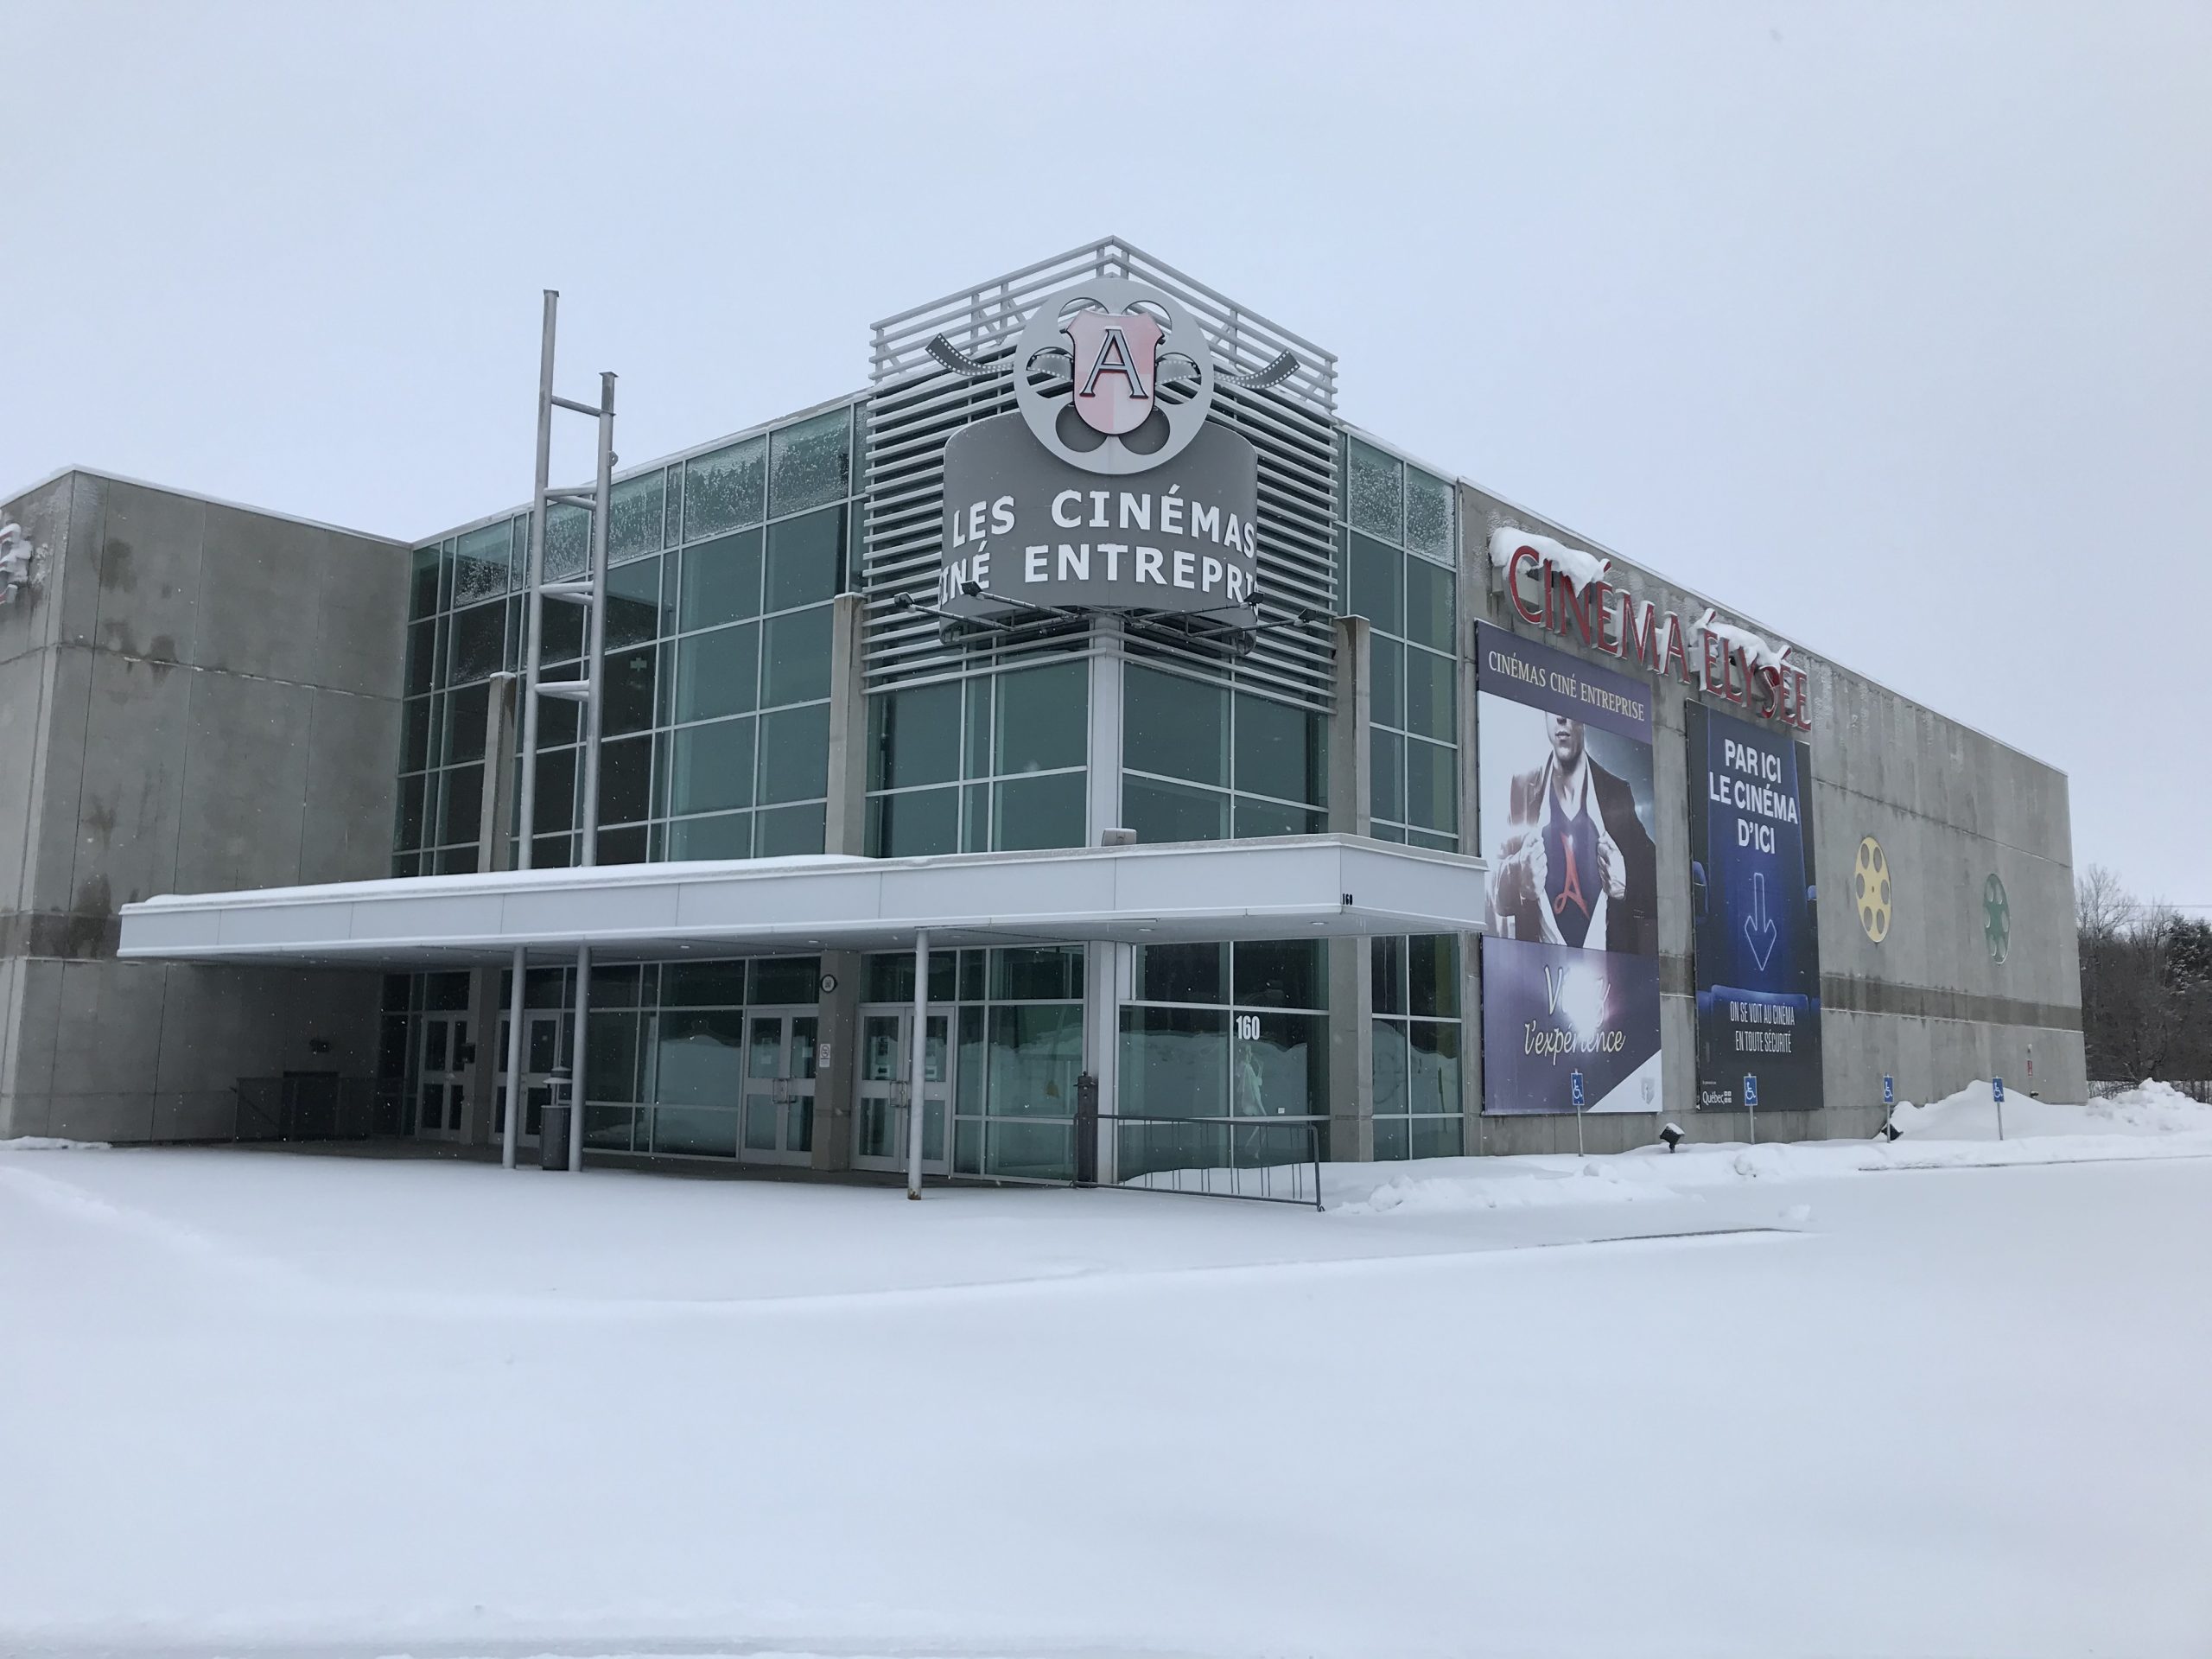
[(915, 404)]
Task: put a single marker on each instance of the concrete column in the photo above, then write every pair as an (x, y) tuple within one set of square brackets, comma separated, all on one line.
[(1104, 805), (1351, 991), (846, 827), (492, 853), (836, 1060), (1105, 982)]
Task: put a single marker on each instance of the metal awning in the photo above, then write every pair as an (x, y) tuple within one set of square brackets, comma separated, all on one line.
[(1285, 886)]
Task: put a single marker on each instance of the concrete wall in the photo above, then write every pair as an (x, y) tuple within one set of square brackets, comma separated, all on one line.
[(1928, 1004), (200, 697)]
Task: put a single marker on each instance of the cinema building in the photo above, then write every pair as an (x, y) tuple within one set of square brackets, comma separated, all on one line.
[(1080, 716)]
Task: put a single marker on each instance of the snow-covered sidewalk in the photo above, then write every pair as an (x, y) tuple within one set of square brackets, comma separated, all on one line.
[(1781, 1403)]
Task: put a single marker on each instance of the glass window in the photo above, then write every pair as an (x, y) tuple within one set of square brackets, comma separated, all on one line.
[(1032, 812), (568, 543), (717, 673), (1174, 1063), (462, 803), (611, 1065), (1387, 682), (414, 743), (890, 978), (804, 557), (480, 565), (1429, 614), (1433, 961), (1375, 492), (712, 768), (1387, 974), (422, 584), (1050, 973), (727, 490), (1378, 584), (1175, 725), (467, 710), (1163, 811), (1430, 706), (561, 631), (633, 613), (1433, 1067), (1182, 973), (1283, 1072), (1429, 514), (795, 755), (723, 835), (797, 657), (721, 581), (1431, 785), (633, 512), (977, 742), (918, 822), (787, 980), (1280, 750), (789, 829), (554, 807), (421, 657), (807, 463), (1043, 720), (1389, 1068), (702, 984), (629, 705), (1385, 765), (1281, 974), (626, 775), (1255, 817), (411, 792), (914, 736)]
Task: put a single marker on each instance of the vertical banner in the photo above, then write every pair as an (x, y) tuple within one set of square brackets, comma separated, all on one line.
[(1756, 925), (1571, 953)]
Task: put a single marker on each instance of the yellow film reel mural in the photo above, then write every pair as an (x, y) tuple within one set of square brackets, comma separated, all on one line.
[(1870, 889)]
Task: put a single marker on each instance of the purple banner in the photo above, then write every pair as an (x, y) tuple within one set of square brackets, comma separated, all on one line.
[(1551, 1011), (1506, 666)]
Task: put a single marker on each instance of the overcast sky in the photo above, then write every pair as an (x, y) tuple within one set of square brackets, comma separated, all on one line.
[(1890, 326)]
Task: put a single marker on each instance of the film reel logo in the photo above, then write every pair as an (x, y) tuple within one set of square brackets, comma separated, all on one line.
[(1870, 888)]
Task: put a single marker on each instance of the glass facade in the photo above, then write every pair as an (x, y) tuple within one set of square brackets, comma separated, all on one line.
[(1417, 1031), (992, 762), (1203, 761), (717, 688), (1226, 1031), (1397, 570), (716, 700)]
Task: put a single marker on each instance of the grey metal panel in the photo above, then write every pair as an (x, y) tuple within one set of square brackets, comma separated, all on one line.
[(1210, 890), (915, 403)]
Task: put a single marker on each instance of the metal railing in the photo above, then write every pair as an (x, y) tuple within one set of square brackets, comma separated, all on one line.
[(316, 1108), (1269, 1159)]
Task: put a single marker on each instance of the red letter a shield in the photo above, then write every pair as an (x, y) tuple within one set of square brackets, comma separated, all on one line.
[(1115, 358)]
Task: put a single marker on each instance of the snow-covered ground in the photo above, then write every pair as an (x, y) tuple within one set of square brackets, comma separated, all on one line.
[(1940, 1397)]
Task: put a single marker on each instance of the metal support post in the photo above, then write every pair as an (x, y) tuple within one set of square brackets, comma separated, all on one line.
[(595, 634), (917, 1107), (526, 794), (578, 1087)]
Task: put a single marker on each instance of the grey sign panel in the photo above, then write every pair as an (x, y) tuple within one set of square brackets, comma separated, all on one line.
[(1028, 529)]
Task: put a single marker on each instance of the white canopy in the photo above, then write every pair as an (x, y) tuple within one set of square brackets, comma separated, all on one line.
[(1275, 888)]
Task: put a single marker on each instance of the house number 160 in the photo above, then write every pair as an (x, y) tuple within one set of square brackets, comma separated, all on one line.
[(1248, 1026)]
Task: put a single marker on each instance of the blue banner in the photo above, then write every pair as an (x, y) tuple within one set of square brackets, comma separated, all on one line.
[(1755, 922)]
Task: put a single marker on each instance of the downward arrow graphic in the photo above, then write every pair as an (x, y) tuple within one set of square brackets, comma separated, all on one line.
[(1759, 930)]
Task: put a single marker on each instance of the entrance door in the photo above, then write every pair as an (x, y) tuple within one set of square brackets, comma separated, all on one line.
[(777, 1126), (541, 1053), (886, 1092), (441, 1077)]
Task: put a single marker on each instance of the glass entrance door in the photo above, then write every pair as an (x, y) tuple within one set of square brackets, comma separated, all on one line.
[(881, 1117), (541, 1053), (441, 1077), (778, 1123)]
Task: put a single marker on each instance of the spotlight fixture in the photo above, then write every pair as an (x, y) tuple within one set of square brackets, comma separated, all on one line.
[(1672, 1134)]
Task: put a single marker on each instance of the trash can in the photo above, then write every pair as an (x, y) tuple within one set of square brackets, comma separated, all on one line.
[(553, 1132)]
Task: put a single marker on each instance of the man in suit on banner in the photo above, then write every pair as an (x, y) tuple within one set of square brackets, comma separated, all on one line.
[(1575, 865)]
